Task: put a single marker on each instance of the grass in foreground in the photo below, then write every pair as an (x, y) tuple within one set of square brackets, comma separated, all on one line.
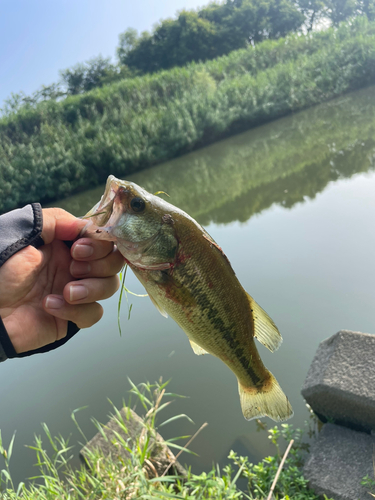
[(108, 477)]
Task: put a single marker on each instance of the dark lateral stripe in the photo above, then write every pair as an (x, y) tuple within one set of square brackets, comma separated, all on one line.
[(229, 335)]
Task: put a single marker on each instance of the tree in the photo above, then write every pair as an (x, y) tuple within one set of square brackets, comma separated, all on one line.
[(127, 42), (340, 10), (73, 78), (94, 73), (367, 7), (211, 32), (314, 11)]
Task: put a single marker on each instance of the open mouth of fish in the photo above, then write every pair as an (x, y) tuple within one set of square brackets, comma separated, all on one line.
[(106, 217)]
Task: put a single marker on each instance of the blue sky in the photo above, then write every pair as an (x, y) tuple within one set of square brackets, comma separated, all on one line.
[(40, 37)]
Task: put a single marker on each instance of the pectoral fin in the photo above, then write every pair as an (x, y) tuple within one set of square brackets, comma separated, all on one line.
[(160, 309), (265, 329), (197, 348)]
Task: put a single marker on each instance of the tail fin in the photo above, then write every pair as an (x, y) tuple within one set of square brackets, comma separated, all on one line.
[(269, 401)]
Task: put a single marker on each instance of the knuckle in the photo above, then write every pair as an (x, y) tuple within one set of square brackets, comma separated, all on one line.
[(101, 248), (89, 315)]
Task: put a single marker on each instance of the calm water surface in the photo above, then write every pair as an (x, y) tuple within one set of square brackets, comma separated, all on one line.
[(292, 204)]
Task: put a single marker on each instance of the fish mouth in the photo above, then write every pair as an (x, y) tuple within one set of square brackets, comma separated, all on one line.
[(104, 216), (105, 219)]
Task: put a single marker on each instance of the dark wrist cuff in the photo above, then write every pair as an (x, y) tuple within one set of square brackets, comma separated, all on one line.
[(7, 350)]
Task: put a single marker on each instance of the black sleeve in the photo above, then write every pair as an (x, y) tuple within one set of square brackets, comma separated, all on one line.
[(19, 229)]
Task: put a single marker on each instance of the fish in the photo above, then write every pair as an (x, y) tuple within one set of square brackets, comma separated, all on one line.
[(189, 278)]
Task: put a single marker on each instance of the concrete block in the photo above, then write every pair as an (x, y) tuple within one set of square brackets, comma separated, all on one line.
[(338, 461), (340, 385), (161, 455)]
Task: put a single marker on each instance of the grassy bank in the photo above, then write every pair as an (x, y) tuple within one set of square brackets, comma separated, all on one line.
[(56, 148), (113, 477), (281, 162)]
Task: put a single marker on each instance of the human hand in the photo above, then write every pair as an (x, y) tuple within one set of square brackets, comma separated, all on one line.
[(39, 292)]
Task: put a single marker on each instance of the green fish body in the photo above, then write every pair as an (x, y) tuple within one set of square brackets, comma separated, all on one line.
[(188, 277)]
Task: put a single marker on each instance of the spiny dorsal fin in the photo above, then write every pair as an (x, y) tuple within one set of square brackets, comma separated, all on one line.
[(197, 348), (162, 312), (265, 329)]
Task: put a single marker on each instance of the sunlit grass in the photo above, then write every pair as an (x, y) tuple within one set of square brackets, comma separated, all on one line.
[(115, 477)]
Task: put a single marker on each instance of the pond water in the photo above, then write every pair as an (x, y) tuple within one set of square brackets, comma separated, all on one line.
[(292, 204)]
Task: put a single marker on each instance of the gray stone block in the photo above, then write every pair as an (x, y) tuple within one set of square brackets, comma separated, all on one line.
[(109, 444), (340, 384), (338, 461)]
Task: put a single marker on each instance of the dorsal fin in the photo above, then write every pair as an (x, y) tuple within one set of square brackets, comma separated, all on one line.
[(197, 348), (265, 329)]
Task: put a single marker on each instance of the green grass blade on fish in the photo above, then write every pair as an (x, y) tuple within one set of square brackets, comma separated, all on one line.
[(161, 192), (125, 290), (122, 279), (87, 216)]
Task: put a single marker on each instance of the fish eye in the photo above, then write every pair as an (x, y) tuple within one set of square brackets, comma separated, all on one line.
[(137, 204)]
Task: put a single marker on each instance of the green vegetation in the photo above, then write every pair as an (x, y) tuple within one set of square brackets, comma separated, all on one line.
[(208, 33), (369, 482), (57, 148), (282, 162), (110, 477), (94, 73), (220, 28)]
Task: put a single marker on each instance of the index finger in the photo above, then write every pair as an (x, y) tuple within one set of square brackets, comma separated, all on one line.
[(89, 249)]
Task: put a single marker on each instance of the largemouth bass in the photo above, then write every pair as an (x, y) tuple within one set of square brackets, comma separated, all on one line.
[(188, 277)]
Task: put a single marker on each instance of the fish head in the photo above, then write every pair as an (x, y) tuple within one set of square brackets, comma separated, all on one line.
[(140, 223)]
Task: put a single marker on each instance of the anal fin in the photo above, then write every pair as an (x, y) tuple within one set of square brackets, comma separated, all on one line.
[(197, 348), (265, 329)]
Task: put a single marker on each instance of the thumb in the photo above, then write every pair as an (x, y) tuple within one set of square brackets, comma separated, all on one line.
[(60, 224)]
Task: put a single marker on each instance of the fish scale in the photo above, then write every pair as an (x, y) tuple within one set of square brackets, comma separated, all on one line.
[(212, 325)]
